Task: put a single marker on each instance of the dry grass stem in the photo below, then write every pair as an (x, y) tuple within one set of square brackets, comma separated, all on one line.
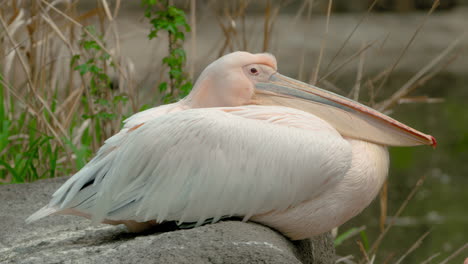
[(388, 258), (90, 35), (107, 10), (420, 99), (402, 207), (454, 254), (309, 5), (343, 45), (31, 85), (429, 260), (405, 49), (346, 61), (346, 259), (409, 85), (383, 205), (193, 36), (413, 247), (354, 93), (314, 77), (363, 251), (270, 16)]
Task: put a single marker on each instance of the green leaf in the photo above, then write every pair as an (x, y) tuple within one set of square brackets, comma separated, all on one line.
[(344, 236), (86, 116), (175, 12), (186, 88), (175, 73), (144, 107), (102, 101), (74, 59), (83, 69), (90, 44), (106, 116), (91, 29), (81, 153), (153, 34), (11, 170), (179, 35), (94, 69), (104, 57), (365, 241), (179, 52), (149, 2), (171, 28), (120, 98), (162, 87)]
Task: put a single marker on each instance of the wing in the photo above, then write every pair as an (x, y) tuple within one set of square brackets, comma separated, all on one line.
[(198, 164), (80, 189)]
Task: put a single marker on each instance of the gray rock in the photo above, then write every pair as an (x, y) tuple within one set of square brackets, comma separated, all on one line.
[(69, 239)]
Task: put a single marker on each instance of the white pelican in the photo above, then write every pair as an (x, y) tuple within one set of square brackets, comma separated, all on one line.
[(247, 142)]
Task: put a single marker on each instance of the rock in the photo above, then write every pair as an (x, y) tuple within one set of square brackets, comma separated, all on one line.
[(70, 239)]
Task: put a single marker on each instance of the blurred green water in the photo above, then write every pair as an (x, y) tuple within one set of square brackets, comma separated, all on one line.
[(441, 204)]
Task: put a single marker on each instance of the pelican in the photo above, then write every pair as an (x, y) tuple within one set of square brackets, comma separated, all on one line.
[(246, 142)]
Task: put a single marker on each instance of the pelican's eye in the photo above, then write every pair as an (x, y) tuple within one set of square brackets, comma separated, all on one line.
[(254, 71)]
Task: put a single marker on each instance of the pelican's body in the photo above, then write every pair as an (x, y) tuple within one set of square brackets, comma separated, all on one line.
[(237, 147)]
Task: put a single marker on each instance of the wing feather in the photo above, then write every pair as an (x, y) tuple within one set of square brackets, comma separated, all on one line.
[(199, 164)]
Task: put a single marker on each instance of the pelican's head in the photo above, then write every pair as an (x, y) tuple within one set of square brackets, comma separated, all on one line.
[(242, 78)]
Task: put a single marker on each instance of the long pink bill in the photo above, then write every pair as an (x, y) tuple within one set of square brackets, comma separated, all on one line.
[(350, 118)]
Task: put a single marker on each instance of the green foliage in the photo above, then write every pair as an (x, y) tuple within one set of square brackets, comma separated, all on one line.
[(342, 237), (100, 101), (32, 145), (22, 155), (170, 19), (28, 152), (350, 233), (364, 240)]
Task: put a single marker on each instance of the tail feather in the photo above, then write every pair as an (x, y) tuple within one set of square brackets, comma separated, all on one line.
[(41, 213)]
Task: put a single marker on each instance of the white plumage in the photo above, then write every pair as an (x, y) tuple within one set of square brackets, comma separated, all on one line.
[(204, 163), (226, 151)]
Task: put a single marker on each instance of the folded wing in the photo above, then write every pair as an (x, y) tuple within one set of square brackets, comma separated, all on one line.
[(198, 164)]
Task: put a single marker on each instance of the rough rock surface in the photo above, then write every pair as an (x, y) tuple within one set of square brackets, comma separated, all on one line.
[(69, 239)]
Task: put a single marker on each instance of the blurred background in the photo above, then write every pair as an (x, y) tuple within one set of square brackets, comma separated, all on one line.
[(71, 71)]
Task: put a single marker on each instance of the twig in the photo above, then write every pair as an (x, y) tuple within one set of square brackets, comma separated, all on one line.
[(302, 57), (345, 259), (270, 16), (357, 85), (348, 60), (388, 258), (314, 77), (379, 239), (363, 250), (107, 10), (454, 254), (428, 260), (434, 6), (363, 18), (420, 99), (193, 41), (383, 205), (413, 247), (30, 108), (90, 35), (31, 86), (405, 89)]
